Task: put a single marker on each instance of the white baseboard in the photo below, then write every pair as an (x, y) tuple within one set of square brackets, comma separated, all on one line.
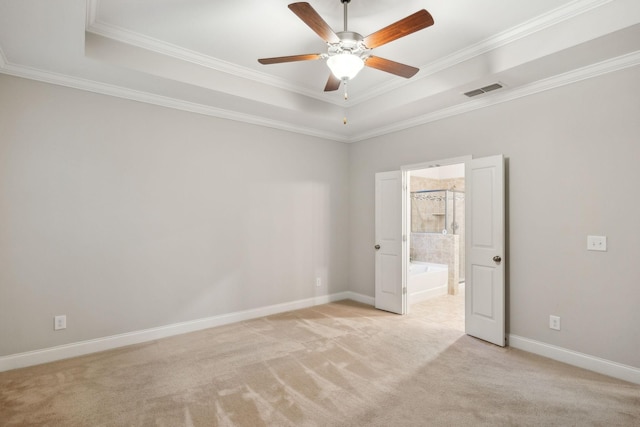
[(364, 299), (36, 357), (592, 363)]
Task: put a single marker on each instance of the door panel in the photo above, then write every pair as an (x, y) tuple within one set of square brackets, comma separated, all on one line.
[(390, 273), (389, 211), (389, 294), (483, 297), (482, 208), (484, 286)]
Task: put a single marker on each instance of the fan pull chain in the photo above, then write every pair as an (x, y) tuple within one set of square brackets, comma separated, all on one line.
[(346, 96)]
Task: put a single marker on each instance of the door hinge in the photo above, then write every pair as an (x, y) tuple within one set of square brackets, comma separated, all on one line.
[(404, 290), (404, 237)]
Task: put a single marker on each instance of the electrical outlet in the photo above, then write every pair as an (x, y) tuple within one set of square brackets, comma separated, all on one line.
[(597, 243), (318, 282), (554, 322), (59, 322)]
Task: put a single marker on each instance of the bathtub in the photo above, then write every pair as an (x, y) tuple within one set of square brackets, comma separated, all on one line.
[(426, 280)]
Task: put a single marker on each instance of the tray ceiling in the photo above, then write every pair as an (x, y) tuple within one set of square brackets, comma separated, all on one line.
[(201, 56)]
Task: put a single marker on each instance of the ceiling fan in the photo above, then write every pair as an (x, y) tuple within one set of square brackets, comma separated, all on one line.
[(348, 52)]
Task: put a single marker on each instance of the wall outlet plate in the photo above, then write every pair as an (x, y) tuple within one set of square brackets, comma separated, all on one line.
[(59, 322), (554, 322), (597, 243)]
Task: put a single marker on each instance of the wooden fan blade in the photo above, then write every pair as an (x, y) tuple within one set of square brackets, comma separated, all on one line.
[(310, 17), (392, 67), (332, 84), (292, 58), (404, 27)]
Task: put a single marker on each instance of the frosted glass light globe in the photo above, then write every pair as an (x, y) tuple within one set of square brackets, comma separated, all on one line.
[(345, 65)]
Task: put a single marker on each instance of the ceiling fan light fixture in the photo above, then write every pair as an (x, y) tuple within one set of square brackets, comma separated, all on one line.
[(345, 65), (347, 51)]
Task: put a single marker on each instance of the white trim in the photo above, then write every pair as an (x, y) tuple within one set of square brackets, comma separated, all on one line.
[(436, 163), (587, 72), (553, 17), (364, 299), (92, 12), (525, 29), (132, 38), (163, 101), (574, 76), (3, 60), (81, 348), (585, 361)]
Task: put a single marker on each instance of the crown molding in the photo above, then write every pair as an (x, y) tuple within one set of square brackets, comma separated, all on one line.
[(532, 26), (594, 70), (525, 29), (149, 43), (154, 99), (604, 67), (590, 71)]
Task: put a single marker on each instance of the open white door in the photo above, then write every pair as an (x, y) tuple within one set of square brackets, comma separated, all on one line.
[(484, 281), (388, 242)]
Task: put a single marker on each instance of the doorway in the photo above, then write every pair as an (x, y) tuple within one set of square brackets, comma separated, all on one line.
[(484, 274), (436, 241)]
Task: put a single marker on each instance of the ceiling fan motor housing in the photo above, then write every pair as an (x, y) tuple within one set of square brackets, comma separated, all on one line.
[(350, 42)]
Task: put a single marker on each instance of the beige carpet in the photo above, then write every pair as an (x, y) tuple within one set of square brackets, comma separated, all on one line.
[(340, 364)]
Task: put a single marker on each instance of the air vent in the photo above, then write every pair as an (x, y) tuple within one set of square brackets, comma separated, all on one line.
[(482, 90)]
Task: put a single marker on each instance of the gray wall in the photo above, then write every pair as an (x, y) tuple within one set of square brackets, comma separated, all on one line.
[(572, 157), (126, 216)]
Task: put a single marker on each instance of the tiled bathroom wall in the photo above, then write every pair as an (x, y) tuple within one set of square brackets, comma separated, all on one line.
[(428, 243)]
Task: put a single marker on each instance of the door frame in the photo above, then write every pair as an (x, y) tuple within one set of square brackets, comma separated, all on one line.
[(406, 207)]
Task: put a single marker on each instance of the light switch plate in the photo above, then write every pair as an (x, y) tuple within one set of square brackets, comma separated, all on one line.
[(597, 243)]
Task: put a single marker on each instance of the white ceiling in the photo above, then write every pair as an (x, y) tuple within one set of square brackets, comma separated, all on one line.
[(202, 56)]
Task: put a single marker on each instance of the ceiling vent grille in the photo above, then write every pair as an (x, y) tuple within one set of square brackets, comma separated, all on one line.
[(482, 90)]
